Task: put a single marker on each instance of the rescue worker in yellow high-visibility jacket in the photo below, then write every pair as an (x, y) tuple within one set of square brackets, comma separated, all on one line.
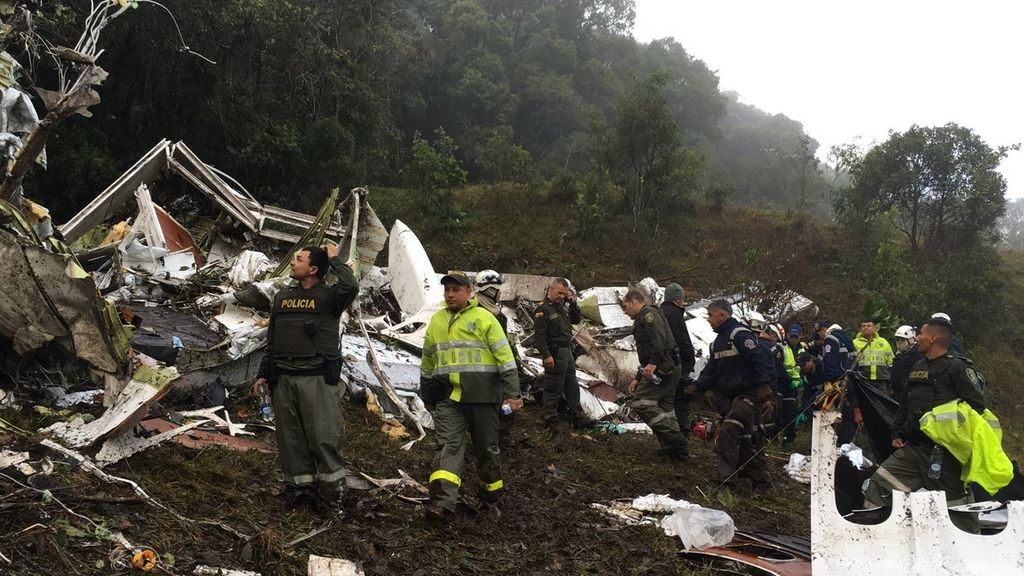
[(875, 355), (466, 373)]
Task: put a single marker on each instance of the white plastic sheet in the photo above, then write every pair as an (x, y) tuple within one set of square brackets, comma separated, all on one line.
[(799, 468), (248, 266), (699, 527)]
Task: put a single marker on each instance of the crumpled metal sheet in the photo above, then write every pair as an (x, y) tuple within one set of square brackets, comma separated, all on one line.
[(53, 299)]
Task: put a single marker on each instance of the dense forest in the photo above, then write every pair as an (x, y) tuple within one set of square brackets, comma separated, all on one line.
[(293, 98), (532, 103)]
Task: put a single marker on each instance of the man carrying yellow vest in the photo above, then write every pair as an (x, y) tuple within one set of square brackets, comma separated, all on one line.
[(875, 355), (467, 371)]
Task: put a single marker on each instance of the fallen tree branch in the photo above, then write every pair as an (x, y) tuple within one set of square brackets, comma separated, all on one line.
[(92, 468)]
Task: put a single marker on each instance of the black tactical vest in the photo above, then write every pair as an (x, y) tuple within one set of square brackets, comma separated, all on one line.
[(303, 326)]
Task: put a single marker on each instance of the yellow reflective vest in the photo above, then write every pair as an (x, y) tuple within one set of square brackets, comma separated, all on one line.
[(875, 357), (469, 350), (975, 440), (792, 370)]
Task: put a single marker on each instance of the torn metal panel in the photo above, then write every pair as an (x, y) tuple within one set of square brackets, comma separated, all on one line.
[(192, 438), (525, 286), (54, 299), (185, 163), (120, 447), (164, 332), (166, 159), (746, 555), (148, 169), (916, 538), (147, 385), (206, 365), (413, 280)]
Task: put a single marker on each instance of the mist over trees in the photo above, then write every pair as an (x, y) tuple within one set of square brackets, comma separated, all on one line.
[(306, 96)]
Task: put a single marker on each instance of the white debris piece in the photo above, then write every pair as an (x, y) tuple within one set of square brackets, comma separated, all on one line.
[(696, 526), (661, 503), (324, 566), (246, 330), (609, 305), (202, 570), (249, 265), (12, 458), (413, 280), (76, 398), (699, 527), (799, 468), (7, 399), (855, 455), (123, 446), (148, 384)]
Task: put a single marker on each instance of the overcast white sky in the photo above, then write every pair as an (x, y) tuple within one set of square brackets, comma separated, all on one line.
[(859, 69)]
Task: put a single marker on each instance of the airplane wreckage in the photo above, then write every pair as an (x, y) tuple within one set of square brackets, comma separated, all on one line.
[(161, 286)]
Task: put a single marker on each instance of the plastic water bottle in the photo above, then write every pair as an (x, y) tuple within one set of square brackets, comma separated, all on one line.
[(506, 410), (266, 406), (935, 464)]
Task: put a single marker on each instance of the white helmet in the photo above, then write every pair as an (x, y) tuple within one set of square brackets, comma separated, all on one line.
[(906, 332), (942, 316), (486, 278), (779, 331)]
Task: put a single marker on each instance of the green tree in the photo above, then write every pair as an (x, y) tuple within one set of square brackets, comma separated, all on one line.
[(646, 148), (503, 160), (435, 172), (939, 186)]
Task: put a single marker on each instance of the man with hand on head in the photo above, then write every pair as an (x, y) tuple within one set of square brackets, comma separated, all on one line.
[(300, 369)]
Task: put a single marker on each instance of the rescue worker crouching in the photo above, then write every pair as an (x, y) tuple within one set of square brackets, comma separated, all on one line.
[(742, 372), (654, 389), (939, 377), (466, 373), (301, 366)]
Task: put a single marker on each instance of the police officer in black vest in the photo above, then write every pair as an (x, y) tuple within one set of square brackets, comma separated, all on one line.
[(302, 365)]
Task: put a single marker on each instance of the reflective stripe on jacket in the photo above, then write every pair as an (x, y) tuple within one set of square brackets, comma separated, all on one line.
[(975, 440), (876, 357), (468, 349)]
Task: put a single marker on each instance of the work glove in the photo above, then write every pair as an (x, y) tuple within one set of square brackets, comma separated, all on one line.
[(427, 393)]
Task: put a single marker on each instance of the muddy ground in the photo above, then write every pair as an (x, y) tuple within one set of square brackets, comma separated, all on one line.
[(547, 526)]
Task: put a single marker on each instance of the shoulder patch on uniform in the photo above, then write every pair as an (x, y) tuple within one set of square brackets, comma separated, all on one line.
[(828, 348), (538, 315), (471, 326), (649, 316), (972, 374), (750, 344)]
